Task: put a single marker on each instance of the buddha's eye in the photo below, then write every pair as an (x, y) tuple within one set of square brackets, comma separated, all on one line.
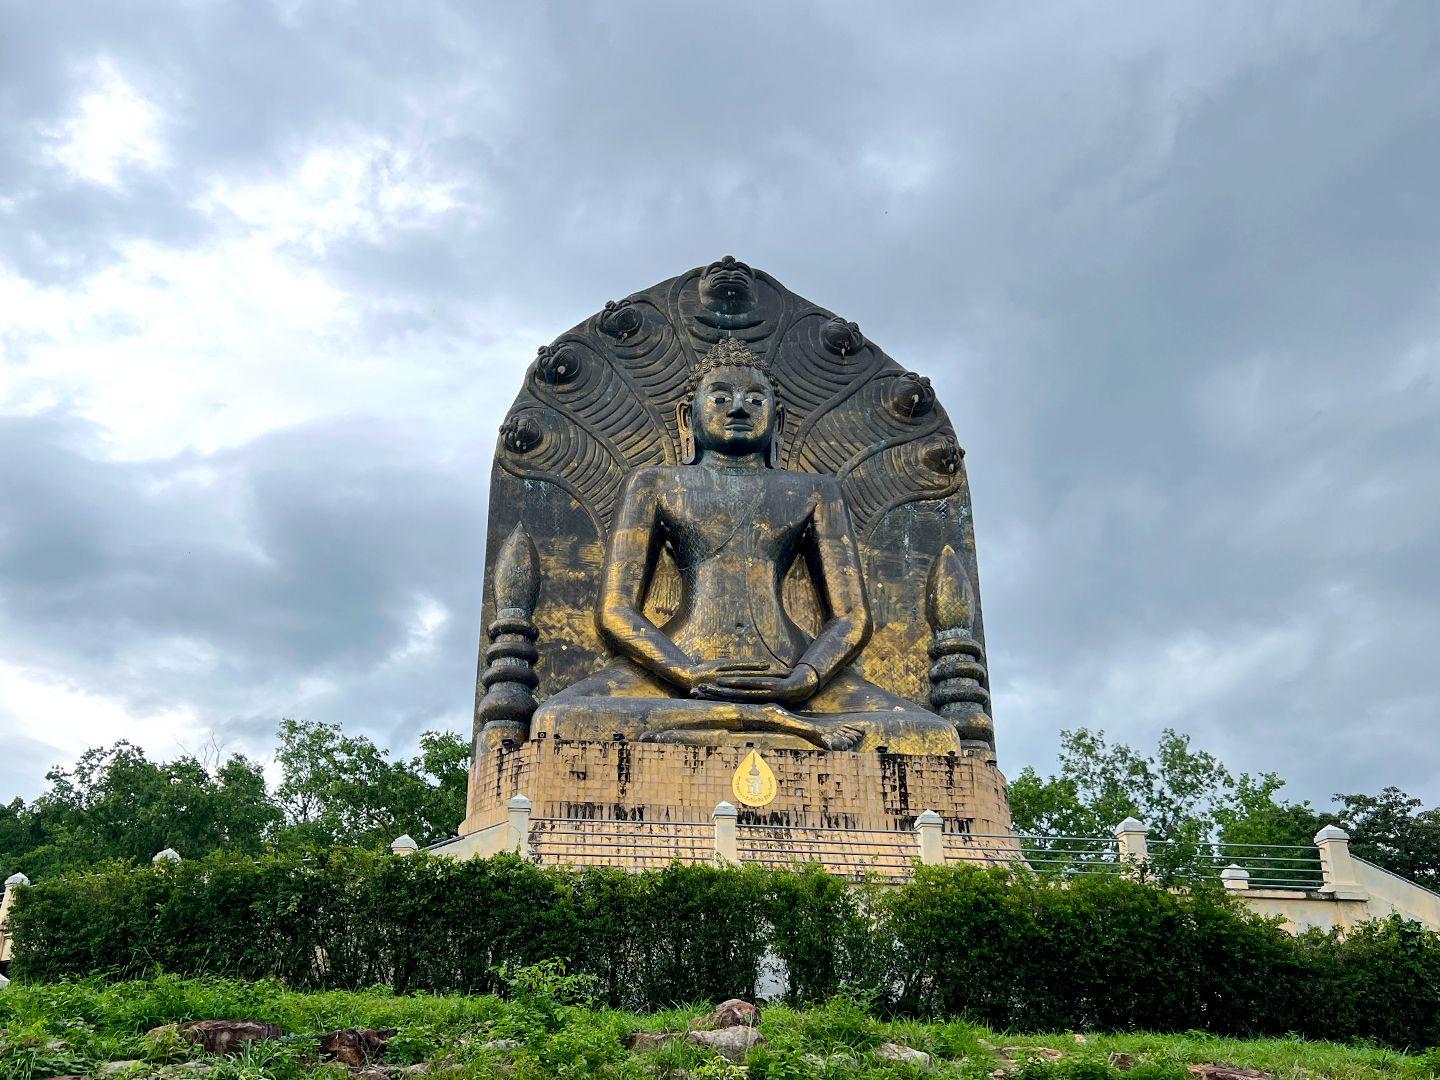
[(717, 398), (755, 400)]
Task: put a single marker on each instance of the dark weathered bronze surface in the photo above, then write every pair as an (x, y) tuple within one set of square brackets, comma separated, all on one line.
[(504, 710), (958, 678), (735, 500)]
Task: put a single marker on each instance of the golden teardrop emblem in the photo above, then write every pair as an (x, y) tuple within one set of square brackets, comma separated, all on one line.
[(754, 784)]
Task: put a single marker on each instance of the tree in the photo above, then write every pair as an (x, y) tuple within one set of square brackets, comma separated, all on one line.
[(1175, 791), (1253, 815), (340, 789), (19, 832), (115, 803), (1392, 831), (1187, 797)]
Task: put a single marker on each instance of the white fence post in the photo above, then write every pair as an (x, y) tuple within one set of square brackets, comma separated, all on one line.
[(1235, 877), (727, 842), (13, 884), (1133, 848), (1336, 866), (927, 832), (518, 838)]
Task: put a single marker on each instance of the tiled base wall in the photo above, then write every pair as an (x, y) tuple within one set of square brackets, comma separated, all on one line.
[(657, 783)]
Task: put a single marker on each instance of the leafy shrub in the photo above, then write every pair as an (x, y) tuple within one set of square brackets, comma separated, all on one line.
[(1004, 948), (1384, 982)]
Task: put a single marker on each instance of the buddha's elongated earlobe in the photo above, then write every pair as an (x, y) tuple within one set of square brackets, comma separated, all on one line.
[(777, 439), (688, 453)]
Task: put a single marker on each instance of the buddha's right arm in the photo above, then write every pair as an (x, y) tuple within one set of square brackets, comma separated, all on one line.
[(629, 564)]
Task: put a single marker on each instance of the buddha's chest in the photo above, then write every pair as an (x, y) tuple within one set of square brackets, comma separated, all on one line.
[(725, 519)]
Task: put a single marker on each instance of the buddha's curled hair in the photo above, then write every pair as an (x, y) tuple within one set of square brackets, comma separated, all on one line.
[(728, 352)]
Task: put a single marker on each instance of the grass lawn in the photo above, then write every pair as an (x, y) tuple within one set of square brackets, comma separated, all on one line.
[(77, 1028)]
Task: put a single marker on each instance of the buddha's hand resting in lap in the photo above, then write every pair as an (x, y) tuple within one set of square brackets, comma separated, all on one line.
[(759, 683), (689, 678)]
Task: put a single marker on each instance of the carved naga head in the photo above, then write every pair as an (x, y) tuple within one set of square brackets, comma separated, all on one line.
[(910, 396), (732, 408), (728, 286)]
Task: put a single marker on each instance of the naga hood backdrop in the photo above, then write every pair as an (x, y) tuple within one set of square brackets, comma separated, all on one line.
[(269, 275)]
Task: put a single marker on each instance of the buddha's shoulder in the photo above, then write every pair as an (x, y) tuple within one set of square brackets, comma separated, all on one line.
[(647, 480), (652, 476), (807, 482), (669, 477)]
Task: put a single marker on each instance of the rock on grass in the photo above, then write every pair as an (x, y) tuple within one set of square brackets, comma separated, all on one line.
[(355, 1047), (642, 1042), (220, 1036), (895, 1052), (1044, 1053), (732, 1013), (731, 1043), (1213, 1070)]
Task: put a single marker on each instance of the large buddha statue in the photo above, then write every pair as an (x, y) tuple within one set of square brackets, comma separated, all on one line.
[(730, 664), (720, 515)]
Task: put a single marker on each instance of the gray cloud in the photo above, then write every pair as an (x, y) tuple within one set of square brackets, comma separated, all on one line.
[(233, 582), (1173, 272)]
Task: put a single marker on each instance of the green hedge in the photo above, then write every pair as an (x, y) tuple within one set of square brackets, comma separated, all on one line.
[(1007, 949)]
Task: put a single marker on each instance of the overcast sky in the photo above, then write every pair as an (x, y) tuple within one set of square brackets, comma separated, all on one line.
[(270, 276)]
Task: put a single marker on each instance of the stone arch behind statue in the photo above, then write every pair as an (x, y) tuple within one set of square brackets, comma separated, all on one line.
[(601, 401)]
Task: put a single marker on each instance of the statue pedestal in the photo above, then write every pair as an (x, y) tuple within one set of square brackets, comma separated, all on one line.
[(641, 804)]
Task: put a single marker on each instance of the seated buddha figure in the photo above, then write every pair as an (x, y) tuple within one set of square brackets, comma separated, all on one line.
[(730, 666)]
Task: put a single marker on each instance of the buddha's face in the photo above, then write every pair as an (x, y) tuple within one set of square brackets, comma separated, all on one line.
[(734, 411)]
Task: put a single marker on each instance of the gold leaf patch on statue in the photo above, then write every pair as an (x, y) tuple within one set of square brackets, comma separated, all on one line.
[(754, 784)]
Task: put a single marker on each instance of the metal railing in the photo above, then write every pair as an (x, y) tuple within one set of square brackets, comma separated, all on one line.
[(1253, 866), (615, 842), (1068, 855), (855, 853), (892, 854)]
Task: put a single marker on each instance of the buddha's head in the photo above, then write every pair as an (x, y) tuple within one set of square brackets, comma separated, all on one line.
[(732, 408)]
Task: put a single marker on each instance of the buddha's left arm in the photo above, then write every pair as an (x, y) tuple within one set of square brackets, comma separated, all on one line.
[(834, 564)]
